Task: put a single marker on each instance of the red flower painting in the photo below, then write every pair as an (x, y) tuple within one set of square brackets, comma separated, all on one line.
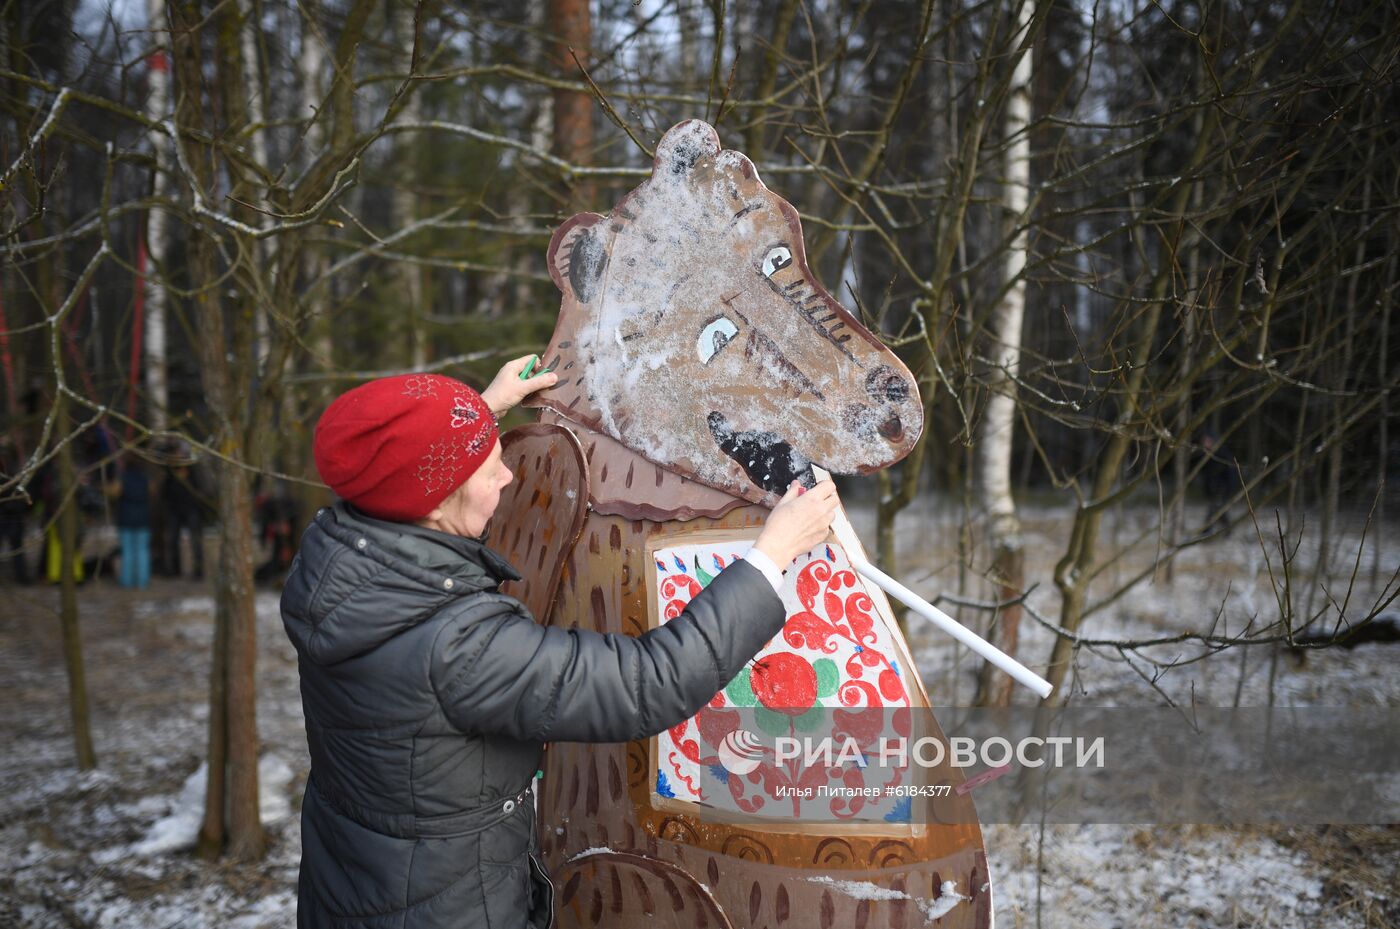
[(830, 673)]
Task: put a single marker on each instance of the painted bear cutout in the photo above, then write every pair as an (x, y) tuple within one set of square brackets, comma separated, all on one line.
[(693, 332), (702, 368)]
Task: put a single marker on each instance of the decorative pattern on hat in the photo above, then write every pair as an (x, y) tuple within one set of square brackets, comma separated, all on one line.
[(463, 412), (440, 466), (420, 386)]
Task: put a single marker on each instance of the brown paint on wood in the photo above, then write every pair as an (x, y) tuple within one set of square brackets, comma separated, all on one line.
[(644, 898), (636, 764), (673, 496), (672, 891), (566, 894), (898, 907), (615, 898), (599, 608), (614, 780), (891, 853), (833, 853)]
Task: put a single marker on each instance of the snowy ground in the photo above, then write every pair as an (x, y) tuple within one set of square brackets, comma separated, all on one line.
[(1170, 877), (110, 848)]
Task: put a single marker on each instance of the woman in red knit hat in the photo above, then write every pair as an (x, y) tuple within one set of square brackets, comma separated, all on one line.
[(429, 695)]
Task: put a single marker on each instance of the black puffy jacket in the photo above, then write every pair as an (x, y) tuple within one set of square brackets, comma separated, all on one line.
[(428, 697)]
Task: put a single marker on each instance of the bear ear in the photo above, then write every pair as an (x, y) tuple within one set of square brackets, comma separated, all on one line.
[(577, 256), (682, 146)]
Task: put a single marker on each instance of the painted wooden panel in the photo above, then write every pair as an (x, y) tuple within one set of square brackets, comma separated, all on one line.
[(835, 653), (702, 368)]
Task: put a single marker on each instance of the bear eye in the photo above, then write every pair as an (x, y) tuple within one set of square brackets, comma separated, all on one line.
[(716, 335), (778, 257)]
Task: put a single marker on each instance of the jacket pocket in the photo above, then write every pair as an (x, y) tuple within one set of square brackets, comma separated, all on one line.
[(504, 890), (541, 895)]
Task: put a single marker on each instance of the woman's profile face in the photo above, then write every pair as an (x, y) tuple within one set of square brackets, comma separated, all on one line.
[(468, 509)]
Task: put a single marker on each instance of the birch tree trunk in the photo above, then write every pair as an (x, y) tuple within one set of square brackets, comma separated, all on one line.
[(311, 67), (248, 55), (999, 419), (517, 293), (405, 200), (157, 108)]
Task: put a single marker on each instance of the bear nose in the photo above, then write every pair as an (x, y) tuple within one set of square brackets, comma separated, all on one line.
[(862, 420), (885, 386)]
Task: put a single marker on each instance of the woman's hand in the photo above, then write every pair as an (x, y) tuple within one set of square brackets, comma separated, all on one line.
[(798, 522), (507, 389)]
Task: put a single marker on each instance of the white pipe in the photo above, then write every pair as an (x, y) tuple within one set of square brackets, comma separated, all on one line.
[(1019, 672)]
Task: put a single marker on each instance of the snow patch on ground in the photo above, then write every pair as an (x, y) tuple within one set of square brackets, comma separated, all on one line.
[(179, 829), (1165, 877)]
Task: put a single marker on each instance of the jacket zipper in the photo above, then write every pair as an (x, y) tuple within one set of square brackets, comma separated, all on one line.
[(537, 868)]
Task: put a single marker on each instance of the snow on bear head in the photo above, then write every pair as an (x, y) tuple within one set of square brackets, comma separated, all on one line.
[(692, 331)]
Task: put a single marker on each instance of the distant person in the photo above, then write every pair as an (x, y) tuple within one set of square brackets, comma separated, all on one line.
[(134, 525), (1221, 477), (52, 498), (183, 510), (275, 510), (14, 513)]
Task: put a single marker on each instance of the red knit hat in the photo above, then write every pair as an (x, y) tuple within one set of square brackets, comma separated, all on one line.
[(396, 447)]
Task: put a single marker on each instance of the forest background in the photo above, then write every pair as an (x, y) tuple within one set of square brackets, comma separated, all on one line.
[(1141, 258)]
